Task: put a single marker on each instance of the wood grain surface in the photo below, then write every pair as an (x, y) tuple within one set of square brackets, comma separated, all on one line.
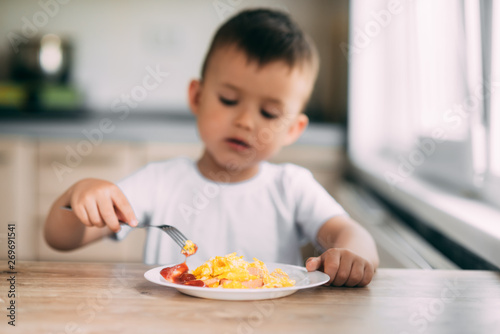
[(57, 297)]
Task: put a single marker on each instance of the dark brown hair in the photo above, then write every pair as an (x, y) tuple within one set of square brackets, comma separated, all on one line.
[(265, 35)]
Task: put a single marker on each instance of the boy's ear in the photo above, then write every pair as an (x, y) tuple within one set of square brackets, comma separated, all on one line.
[(296, 129), (194, 92)]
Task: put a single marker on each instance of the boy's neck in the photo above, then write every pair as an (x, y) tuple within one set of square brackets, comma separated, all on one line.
[(210, 169)]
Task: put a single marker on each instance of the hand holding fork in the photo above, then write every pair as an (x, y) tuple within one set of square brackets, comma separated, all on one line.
[(101, 203)]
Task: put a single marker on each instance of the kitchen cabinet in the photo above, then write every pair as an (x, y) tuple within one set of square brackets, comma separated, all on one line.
[(324, 162), (158, 151), (34, 172), (18, 196), (59, 167)]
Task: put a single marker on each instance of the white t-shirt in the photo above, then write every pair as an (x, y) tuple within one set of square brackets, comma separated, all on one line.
[(269, 216)]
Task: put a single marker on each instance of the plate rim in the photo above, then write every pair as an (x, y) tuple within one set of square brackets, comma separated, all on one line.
[(246, 291)]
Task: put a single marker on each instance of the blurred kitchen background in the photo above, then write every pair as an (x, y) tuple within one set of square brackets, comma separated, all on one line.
[(405, 120), (104, 48)]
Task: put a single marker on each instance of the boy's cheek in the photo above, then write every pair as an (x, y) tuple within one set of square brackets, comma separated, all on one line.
[(209, 122)]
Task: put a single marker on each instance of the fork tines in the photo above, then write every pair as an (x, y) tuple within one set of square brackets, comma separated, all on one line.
[(175, 234)]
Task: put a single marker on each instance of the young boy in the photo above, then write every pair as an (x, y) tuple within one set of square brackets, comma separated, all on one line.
[(255, 82)]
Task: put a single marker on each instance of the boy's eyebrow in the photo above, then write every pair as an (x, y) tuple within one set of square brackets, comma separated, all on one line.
[(230, 86), (270, 99)]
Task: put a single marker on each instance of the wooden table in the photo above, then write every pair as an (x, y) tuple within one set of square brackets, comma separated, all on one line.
[(54, 297)]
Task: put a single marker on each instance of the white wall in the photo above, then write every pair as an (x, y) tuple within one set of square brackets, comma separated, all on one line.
[(115, 41)]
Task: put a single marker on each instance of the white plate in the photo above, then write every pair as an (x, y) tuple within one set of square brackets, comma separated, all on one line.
[(303, 280)]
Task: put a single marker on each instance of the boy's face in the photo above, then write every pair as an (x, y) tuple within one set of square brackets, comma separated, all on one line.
[(246, 113)]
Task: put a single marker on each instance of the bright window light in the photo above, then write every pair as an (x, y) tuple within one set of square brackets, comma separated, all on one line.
[(495, 92), (416, 91), (441, 68)]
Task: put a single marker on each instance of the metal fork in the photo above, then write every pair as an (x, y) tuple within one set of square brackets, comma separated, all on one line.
[(176, 235)]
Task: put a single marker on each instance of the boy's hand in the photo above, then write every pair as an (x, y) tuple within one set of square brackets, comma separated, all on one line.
[(344, 267), (101, 203)]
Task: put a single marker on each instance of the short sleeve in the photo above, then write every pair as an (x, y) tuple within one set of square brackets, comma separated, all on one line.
[(138, 188), (313, 204)]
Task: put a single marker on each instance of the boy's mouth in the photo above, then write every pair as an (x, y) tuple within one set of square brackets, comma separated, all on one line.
[(238, 144)]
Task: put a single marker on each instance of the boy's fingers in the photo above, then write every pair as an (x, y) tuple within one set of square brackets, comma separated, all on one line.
[(368, 275), (331, 263), (108, 214), (344, 270), (313, 263), (93, 214), (81, 214), (124, 208), (343, 267), (356, 275)]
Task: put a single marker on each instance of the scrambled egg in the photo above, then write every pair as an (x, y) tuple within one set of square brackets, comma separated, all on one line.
[(189, 248), (232, 272)]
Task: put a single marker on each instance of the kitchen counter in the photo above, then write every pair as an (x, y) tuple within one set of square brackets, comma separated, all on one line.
[(57, 297), (144, 127)]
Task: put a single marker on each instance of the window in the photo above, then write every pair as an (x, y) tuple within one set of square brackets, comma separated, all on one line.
[(493, 176), (424, 92)]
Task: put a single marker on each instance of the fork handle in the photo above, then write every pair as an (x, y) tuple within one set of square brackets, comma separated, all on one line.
[(68, 208)]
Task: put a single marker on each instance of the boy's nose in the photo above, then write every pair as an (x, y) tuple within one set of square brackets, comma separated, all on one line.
[(244, 119)]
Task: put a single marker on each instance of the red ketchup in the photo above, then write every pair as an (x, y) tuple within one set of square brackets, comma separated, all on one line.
[(179, 274)]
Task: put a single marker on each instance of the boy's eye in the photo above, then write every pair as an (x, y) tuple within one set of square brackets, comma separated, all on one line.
[(267, 114), (228, 102)]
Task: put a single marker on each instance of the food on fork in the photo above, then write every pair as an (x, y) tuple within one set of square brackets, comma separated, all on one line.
[(189, 248), (230, 272), (180, 273)]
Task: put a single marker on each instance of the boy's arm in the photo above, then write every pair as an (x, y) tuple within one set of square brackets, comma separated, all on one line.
[(95, 202), (351, 256)]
